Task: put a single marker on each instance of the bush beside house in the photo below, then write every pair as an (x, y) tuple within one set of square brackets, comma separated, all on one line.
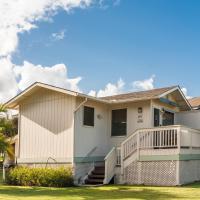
[(46, 177)]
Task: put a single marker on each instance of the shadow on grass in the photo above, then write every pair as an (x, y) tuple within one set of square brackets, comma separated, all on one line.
[(89, 193)]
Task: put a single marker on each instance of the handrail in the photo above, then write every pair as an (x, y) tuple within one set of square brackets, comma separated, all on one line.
[(50, 158), (110, 163), (110, 152)]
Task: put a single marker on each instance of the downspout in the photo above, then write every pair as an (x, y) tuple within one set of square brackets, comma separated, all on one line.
[(81, 104), (75, 111)]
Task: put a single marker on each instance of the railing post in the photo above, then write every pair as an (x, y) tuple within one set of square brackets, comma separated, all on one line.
[(179, 139), (138, 145), (122, 159)]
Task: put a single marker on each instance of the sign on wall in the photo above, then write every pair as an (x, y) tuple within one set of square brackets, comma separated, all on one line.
[(140, 115)]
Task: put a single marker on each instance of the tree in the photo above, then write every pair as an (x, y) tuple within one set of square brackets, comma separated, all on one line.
[(2, 108), (8, 127), (6, 147)]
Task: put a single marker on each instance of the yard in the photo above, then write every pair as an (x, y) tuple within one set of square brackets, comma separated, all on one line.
[(106, 192)]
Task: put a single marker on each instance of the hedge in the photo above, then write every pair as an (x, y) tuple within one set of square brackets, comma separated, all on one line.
[(45, 177)]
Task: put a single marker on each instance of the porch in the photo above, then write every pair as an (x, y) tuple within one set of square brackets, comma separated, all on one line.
[(161, 147)]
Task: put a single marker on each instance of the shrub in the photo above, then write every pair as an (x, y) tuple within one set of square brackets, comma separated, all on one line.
[(46, 177)]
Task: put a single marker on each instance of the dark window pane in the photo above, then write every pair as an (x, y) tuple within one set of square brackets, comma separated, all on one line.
[(168, 118), (88, 116), (156, 117), (119, 121)]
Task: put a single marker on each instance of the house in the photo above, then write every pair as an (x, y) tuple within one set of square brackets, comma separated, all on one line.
[(133, 138)]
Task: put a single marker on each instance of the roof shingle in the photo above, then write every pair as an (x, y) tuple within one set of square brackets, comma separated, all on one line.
[(195, 102), (149, 94)]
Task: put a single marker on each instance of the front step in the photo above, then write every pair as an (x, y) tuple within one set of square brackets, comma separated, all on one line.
[(97, 176)]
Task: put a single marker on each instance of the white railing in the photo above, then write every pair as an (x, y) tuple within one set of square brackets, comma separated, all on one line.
[(160, 137), (190, 138), (110, 164)]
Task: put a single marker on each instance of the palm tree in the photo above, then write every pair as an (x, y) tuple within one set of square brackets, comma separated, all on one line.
[(2, 108), (6, 147)]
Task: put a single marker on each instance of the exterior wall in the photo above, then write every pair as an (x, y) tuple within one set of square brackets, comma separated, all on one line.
[(46, 128), (132, 120), (99, 136), (91, 143), (190, 119)]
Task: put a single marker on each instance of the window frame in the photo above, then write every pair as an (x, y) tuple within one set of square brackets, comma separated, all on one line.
[(83, 121)]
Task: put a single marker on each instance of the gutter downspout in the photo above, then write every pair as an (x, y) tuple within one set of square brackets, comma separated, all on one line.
[(75, 111), (81, 104)]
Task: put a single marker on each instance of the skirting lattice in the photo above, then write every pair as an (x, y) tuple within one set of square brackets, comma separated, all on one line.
[(162, 173)]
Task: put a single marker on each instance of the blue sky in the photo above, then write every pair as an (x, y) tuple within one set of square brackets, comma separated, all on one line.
[(132, 40)]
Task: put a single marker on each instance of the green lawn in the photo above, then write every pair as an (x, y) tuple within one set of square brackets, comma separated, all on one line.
[(106, 192)]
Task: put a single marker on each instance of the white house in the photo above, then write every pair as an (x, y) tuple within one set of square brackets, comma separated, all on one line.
[(134, 138)]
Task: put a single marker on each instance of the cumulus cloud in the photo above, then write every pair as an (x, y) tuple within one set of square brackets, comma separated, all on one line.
[(58, 36), (55, 75), (185, 92), (147, 84), (110, 89), (8, 83)]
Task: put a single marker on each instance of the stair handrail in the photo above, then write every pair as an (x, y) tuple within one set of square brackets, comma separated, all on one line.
[(110, 164)]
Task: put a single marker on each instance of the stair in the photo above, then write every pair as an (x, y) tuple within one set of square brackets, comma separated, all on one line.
[(97, 176)]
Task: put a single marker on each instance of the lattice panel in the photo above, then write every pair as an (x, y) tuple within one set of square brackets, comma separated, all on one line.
[(151, 173)]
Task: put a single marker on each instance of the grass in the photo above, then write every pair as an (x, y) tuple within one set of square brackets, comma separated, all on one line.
[(100, 193)]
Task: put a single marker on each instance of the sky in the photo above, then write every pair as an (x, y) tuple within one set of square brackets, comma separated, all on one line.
[(99, 47)]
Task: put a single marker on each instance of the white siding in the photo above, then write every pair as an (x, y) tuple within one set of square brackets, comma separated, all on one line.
[(190, 119), (132, 120), (88, 138), (46, 127)]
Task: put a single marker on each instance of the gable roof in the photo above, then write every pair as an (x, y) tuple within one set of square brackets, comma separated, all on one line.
[(142, 95), (122, 98), (195, 102)]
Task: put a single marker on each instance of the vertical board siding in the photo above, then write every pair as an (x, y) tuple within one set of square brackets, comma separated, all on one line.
[(47, 122)]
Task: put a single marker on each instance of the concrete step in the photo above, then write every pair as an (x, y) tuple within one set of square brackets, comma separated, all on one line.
[(94, 181), (96, 176)]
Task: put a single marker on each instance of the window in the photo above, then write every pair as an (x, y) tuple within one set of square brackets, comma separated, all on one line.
[(168, 118), (156, 117), (88, 116), (119, 122)]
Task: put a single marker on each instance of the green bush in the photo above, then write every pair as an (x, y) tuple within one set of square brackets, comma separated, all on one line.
[(46, 177)]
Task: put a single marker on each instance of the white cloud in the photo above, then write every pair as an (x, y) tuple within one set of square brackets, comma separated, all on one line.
[(8, 83), (21, 15), (147, 84), (59, 35), (55, 75), (185, 92), (110, 89), (92, 93), (16, 17)]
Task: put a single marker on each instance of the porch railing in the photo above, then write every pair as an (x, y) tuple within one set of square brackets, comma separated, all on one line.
[(169, 137), (160, 137)]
